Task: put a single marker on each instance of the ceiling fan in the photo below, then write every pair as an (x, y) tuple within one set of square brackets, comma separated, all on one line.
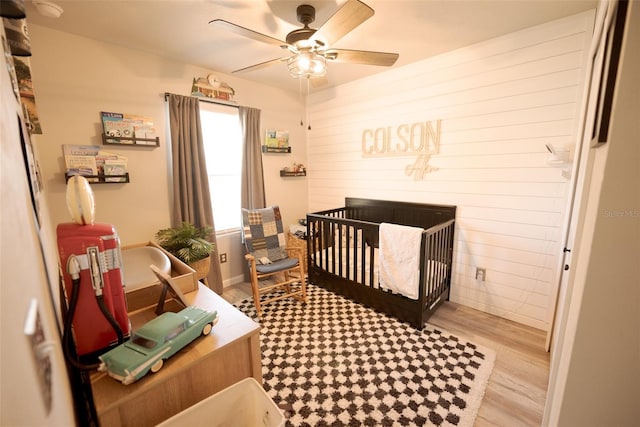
[(310, 49)]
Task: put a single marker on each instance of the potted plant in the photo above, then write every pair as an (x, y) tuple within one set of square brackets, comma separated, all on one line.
[(189, 244)]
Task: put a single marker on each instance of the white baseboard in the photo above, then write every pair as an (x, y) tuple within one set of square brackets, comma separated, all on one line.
[(233, 281)]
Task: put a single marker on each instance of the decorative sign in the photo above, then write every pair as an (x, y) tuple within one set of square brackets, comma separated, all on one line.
[(211, 87), (419, 140)]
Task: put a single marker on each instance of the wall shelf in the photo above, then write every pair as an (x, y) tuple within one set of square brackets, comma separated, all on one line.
[(130, 141), (102, 179), (288, 173), (283, 150)]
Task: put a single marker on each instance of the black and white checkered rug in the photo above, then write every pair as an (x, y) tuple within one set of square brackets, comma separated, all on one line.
[(333, 362)]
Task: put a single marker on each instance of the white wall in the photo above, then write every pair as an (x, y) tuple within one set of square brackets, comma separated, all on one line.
[(499, 103), (23, 279), (76, 78)]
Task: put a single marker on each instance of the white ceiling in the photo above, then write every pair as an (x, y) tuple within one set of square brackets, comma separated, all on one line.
[(180, 29)]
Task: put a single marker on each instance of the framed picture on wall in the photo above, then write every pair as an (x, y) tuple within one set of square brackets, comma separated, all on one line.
[(27, 93), (610, 48), (32, 168)]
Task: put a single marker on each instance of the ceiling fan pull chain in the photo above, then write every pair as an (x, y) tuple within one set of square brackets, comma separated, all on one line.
[(300, 98), (307, 111)]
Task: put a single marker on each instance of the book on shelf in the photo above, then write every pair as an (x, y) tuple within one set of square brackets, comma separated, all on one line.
[(90, 161), (81, 160), (87, 172), (145, 132), (102, 157), (277, 139), (124, 128), (113, 167), (80, 150), (115, 125)]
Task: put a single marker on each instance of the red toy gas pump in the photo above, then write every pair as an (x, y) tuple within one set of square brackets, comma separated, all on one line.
[(91, 264)]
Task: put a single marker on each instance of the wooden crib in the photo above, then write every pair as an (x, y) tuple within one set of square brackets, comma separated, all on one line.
[(342, 248)]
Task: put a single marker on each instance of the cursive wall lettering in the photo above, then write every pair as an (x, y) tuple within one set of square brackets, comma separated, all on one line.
[(420, 139)]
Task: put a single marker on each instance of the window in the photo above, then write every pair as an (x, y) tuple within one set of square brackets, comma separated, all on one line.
[(143, 342), (222, 138), (174, 332)]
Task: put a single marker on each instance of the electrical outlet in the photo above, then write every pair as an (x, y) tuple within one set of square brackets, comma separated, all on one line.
[(481, 274), (223, 258)]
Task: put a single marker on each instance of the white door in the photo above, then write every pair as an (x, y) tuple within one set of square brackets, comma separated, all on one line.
[(599, 55), (599, 58)]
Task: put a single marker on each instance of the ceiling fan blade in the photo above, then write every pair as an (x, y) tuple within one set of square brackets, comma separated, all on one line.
[(260, 65), (247, 32), (366, 57), (348, 17)]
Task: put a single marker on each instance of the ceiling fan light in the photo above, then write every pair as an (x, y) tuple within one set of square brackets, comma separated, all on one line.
[(304, 61), (307, 64), (48, 9), (317, 68)]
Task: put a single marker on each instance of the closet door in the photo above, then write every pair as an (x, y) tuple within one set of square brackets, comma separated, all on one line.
[(600, 84), (596, 109)]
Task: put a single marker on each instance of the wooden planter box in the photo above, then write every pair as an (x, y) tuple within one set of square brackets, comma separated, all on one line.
[(182, 274)]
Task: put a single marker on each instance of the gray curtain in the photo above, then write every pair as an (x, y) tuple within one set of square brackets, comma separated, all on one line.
[(253, 194), (191, 197)]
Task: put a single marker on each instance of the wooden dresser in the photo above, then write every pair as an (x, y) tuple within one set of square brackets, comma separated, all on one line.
[(209, 364)]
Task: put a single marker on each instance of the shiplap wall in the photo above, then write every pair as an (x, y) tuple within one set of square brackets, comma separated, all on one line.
[(499, 103)]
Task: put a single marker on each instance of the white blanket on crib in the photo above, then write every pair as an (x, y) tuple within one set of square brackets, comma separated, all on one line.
[(399, 265)]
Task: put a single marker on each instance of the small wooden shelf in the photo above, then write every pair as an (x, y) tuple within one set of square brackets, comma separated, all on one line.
[(101, 179), (131, 141), (287, 173), (282, 150)]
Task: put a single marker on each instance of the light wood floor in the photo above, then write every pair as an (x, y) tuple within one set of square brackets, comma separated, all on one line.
[(517, 387)]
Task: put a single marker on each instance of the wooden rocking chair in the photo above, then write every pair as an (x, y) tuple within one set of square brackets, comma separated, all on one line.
[(268, 257)]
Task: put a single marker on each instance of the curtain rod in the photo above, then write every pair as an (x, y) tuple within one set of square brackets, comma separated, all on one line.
[(209, 100)]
